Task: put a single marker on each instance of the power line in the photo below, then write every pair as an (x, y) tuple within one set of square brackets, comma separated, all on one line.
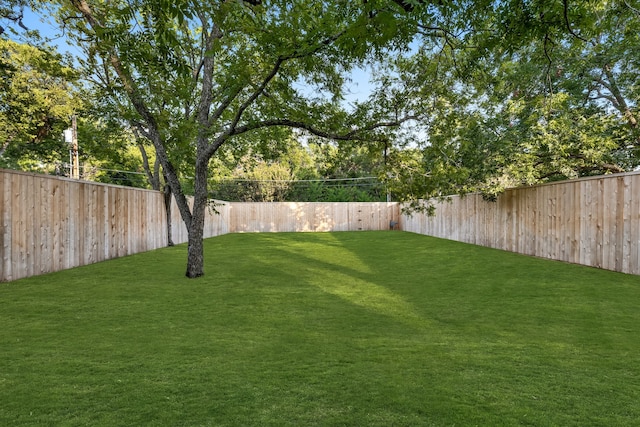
[(362, 178)]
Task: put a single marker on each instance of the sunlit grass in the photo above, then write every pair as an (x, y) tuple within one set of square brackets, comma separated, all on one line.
[(367, 328)]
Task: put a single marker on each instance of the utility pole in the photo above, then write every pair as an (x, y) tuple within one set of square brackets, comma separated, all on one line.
[(75, 163), (71, 138)]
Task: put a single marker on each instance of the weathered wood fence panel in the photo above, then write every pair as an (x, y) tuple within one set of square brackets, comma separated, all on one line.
[(50, 223), (311, 216), (592, 221)]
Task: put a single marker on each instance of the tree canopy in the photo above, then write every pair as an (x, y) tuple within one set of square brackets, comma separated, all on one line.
[(537, 91)]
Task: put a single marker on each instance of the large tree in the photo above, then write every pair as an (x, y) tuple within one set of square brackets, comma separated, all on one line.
[(201, 74)]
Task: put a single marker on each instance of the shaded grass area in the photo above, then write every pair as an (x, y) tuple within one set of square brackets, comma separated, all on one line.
[(366, 328)]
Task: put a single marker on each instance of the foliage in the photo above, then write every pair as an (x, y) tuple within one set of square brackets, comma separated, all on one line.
[(375, 328), (109, 154), (264, 182), (40, 93), (522, 93), (568, 95), (314, 172), (36, 100)]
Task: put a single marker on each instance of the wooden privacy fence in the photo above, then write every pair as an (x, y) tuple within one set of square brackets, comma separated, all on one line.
[(591, 221), (235, 217), (50, 223), (298, 216)]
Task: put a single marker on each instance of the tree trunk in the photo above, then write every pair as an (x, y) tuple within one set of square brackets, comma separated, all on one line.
[(153, 178), (195, 255), (167, 208)]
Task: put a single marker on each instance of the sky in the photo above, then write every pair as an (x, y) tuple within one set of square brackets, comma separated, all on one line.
[(48, 30)]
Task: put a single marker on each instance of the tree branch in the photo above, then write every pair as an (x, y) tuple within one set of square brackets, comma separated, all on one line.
[(547, 39), (222, 107), (409, 6), (426, 30), (206, 96), (260, 89), (606, 166), (622, 105), (256, 93), (5, 145), (17, 18), (153, 178), (603, 83), (354, 135), (565, 4), (603, 96), (636, 11)]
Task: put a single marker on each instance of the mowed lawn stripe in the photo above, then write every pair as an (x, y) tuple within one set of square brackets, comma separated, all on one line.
[(365, 328)]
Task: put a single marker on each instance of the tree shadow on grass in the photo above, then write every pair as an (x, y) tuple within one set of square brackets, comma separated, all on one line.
[(326, 263)]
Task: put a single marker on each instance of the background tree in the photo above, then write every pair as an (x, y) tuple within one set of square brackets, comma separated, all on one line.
[(110, 153), (37, 98), (290, 170), (527, 92)]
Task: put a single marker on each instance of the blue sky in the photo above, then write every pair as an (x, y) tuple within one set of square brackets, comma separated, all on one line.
[(48, 30)]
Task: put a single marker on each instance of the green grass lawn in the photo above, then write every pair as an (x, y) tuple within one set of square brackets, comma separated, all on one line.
[(331, 329)]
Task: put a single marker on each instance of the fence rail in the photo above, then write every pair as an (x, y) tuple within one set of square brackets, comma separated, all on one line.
[(591, 221)]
